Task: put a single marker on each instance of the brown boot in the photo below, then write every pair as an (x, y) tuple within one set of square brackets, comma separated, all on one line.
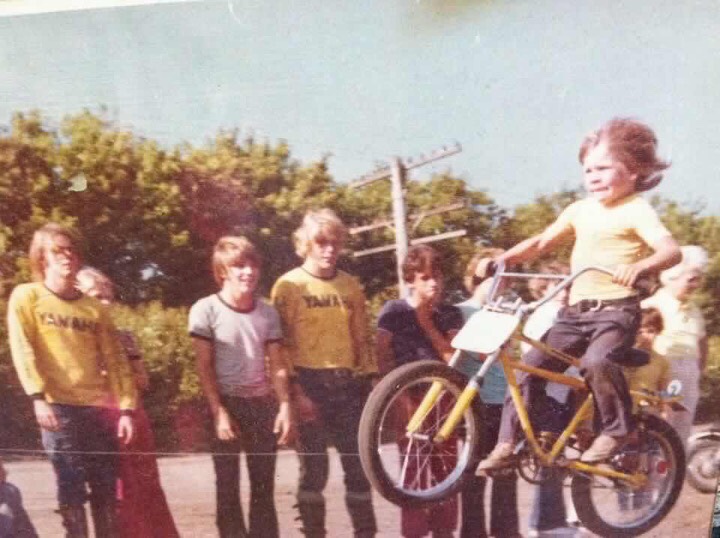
[(74, 520)]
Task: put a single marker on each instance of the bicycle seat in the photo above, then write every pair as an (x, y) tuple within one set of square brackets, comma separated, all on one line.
[(485, 331)]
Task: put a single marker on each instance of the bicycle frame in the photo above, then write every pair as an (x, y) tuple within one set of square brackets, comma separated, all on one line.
[(584, 410)]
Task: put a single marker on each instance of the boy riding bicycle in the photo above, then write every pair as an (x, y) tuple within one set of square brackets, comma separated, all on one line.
[(616, 228)]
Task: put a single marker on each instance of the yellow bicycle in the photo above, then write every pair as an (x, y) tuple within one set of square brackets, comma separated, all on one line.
[(420, 432)]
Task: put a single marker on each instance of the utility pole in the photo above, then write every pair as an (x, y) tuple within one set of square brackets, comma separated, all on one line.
[(396, 172), (397, 190)]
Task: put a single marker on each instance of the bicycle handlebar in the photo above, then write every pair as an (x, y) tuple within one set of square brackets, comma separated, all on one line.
[(566, 280)]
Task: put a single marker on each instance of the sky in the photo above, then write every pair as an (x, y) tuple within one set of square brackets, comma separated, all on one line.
[(517, 83)]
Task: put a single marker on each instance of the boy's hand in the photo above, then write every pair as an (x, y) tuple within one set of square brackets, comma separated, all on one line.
[(424, 317), (627, 275), (125, 430), (45, 416), (225, 427), (284, 427), (304, 407), (485, 268)]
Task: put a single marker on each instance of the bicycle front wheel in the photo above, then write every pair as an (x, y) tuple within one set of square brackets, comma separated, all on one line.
[(612, 508), (412, 469)]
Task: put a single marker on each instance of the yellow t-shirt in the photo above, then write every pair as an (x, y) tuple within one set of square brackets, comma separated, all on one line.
[(608, 237), (655, 375), (684, 326), (67, 350), (324, 321)]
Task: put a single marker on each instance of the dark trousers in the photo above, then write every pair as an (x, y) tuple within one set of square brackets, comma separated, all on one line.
[(339, 398), (83, 451), (603, 339), (255, 418), (503, 503)]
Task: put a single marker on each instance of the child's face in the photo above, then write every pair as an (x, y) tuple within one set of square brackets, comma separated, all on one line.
[(324, 252), (645, 337), (607, 179), (243, 277), (427, 287), (62, 259), (100, 290)]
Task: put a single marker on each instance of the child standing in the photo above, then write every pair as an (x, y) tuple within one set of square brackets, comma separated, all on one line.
[(655, 375), (325, 340), (420, 327), (503, 516), (143, 510), (233, 333), (70, 362), (616, 228)]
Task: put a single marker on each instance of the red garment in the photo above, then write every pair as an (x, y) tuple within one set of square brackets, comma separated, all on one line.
[(143, 511), (443, 516)]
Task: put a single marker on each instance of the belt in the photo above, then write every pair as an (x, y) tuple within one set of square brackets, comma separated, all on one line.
[(594, 305), (326, 375)]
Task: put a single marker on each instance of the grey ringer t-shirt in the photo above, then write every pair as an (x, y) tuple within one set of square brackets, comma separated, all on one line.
[(238, 340)]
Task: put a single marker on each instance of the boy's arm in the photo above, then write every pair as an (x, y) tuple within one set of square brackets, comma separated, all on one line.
[(21, 325), (280, 381), (535, 246), (281, 297), (383, 351), (364, 359), (666, 254), (205, 362), (440, 343)]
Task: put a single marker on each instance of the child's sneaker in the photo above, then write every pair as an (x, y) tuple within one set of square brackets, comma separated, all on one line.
[(602, 448), (501, 456)]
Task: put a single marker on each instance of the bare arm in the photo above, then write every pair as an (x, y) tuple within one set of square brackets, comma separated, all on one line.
[(364, 360), (666, 254), (224, 427), (384, 352), (440, 342), (535, 246), (280, 379)]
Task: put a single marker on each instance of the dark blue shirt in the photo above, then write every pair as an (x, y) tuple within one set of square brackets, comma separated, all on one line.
[(409, 341)]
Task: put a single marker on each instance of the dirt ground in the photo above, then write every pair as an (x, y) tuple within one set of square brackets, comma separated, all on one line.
[(189, 486)]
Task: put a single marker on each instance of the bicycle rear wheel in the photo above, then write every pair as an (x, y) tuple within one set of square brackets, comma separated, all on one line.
[(413, 469), (612, 508)]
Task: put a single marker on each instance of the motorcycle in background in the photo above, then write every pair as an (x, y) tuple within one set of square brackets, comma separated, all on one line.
[(703, 459)]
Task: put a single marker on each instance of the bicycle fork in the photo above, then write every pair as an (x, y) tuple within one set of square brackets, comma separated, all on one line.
[(463, 403)]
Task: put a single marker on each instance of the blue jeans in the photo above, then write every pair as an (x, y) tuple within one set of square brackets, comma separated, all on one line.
[(255, 418), (503, 504), (83, 452), (548, 511)]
